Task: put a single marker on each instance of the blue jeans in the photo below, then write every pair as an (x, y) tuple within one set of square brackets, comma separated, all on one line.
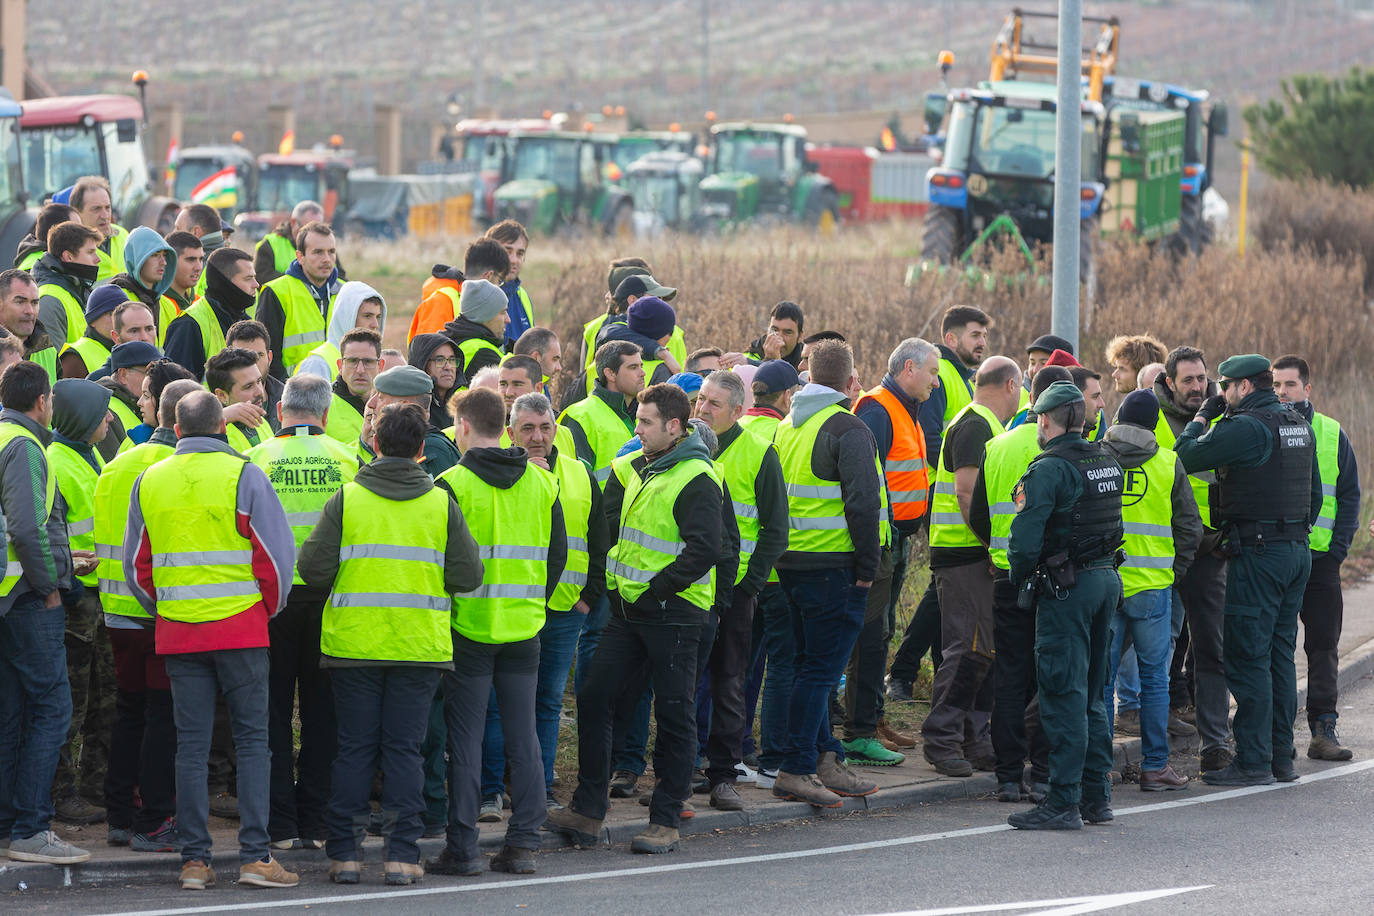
[(1146, 617), (827, 614), (780, 650), (557, 645), (592, 626), (35, 711), (241, 675), (1128, 680)]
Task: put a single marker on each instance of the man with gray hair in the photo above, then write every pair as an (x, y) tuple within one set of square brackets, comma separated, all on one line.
[(306, 467), (753, 477), (889, 411), (277, 249)]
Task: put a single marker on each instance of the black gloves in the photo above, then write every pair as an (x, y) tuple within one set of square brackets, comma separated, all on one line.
[(1213, 407)]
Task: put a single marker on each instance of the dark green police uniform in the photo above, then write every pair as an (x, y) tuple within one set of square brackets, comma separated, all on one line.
[(1267, 497), (1069, 501)]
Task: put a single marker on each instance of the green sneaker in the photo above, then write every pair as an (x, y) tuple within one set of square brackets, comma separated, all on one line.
[(869, 752)]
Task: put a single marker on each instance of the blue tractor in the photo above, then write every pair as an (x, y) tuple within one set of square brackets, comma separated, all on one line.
[(15, 221)]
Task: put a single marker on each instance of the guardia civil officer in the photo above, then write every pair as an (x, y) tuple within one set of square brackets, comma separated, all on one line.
[(1064, 540), (1267, 497)]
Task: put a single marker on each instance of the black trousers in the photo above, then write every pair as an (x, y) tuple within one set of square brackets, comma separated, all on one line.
[(922, 635), (300, 781), (729, 667), (143, 743), (1321, 614), (863, 692), (1015, 712), (630, 657)]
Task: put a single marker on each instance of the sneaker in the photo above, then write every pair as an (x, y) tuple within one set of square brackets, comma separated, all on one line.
[(700, 784), (163, 839), (1325, 745), (446, 863), (514, 861), (585, 832), (805, 788), (76, 811), (624, 784), (900, 690), (1044, 816), (655, 839), (490, 812), (840, 779), (869, 752), (349, 872), (46, 846), (267, 874), (117, 836), (225, 804), (1216, 758), (725, 797), (751, 761), (551, 803), (1233, 775), (296, 843), (891, 738), (196, 876), (1096, 812), (1165, 780), (400, 874), (765, 778), (1128, 723), (1180, 728), (745, 773), (1283, 771)]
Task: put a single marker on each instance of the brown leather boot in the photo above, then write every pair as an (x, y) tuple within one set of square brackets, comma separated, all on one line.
[(1165, 780), (892, 739)]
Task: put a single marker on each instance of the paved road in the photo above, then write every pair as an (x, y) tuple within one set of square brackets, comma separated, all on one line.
[(1203, 850)]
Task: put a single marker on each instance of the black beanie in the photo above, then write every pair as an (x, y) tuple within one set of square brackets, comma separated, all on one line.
[(1140, 408)]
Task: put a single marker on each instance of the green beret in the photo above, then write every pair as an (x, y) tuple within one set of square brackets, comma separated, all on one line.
[(1243, 366), (404, 382), (1057, 395)]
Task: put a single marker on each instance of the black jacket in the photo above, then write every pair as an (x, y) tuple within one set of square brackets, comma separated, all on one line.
[(51, 315), (463, 329)]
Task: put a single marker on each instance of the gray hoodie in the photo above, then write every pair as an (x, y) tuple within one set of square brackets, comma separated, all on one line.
[(845, 452), (1133, 446), (39, 538), (342, 320), (78, 406)]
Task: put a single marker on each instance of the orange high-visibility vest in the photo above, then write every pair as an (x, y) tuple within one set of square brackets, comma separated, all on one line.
[(905, 468)]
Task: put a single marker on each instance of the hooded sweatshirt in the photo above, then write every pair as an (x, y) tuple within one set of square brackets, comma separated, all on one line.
[(144, 243), (502, 468), (845, 451), (616, 330), (27, 246), (461, 329), (78, 406), (184, 344), (51, 314), (273, 316), (1133, 446), (421, 348), (344, 318), (39, 539), (398, 479), (699, 514)]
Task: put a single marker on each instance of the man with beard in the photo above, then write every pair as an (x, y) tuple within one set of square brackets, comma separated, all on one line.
[(964, 332), (1201, 592)]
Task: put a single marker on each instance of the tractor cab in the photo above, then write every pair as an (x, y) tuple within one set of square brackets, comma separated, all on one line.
[(15, 221), (639, 143), (557, 179), (225, 177), (485, 149), (666, 187), (761, 171), (285, 180)]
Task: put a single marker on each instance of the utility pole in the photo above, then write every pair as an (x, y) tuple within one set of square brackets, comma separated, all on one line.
[(705, 55), (478, 68), (1068, 167)]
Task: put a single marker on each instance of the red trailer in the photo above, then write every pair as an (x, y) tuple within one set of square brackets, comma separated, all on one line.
[(874, 185)]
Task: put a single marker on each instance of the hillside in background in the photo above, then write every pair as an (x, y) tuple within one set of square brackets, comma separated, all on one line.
[(765, 57)]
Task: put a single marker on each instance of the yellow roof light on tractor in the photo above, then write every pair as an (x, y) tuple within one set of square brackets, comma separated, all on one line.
[(1013, 51), (945, 60)]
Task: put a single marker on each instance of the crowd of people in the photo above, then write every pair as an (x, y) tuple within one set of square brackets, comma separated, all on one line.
[(262, 566)]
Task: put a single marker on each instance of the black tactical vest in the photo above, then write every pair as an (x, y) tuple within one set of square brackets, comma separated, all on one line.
[(1090, 529), (1280, 490)]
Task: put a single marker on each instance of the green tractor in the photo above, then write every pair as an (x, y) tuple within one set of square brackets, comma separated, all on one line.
[(558, 180), (760, 172), (635, 144)]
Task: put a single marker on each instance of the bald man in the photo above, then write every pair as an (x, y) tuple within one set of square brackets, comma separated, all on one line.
[(957, 733)]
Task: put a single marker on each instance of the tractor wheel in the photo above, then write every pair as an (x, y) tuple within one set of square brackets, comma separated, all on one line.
[(940, 234), (1089, 238)]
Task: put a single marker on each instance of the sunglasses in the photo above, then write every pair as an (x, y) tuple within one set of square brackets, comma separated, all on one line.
[(1224, 384)]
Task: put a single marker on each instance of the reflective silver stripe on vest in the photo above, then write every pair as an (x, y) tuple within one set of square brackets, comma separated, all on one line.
[(509, 552), (1148, 530), (602, 475), (1208, 477), (573, 578), (908, 496), (802, 491), (392, 600), (816, 524), (944, 488), (1328, 524), (296, 340), (1002, 509), (302, 518), (744, 510), (1328, 489), (207, 592), (577, 544), (630, 573), (13, 569), (906, 464), (747, 546), (114, 587), (1001, 543), (109, 552), (203, 558), (946, 518), (1149, 562), (390, 552), (529, 592), (77, 529), (635, 536)]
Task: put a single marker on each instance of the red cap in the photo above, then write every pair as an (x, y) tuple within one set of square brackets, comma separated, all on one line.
[(1062, 358)]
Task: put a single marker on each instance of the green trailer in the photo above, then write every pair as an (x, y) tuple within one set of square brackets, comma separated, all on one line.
[(1143, 165)]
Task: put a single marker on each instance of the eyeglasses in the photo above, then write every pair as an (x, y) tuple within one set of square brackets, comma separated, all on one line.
[(443, 361), (354, 362), (1224, 384)]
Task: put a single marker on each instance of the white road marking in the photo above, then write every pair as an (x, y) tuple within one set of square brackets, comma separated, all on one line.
[(478, 887), (1061, 907)]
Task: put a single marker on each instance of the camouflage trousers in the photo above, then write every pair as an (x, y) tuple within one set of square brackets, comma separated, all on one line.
[(90, 668)]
